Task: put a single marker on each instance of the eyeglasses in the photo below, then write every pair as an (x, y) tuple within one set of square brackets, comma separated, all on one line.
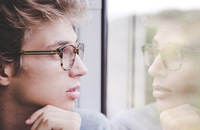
[(171, 57), (67, 54)]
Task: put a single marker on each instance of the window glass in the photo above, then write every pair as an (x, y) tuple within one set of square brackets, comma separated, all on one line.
[(129, 27)]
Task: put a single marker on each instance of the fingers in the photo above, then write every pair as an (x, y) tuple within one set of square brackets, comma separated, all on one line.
[(185, 109), (184, 117), (34, 116), (57, 124), (50, 117)]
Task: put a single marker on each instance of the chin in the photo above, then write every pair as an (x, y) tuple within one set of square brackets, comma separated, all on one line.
[(163, 106), (69, 106), (169, 104)]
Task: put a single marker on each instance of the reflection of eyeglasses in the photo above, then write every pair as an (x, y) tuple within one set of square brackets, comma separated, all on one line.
[(171, 57), (67, 54)]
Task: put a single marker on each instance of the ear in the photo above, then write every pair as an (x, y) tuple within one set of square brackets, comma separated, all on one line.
[(5, 75)]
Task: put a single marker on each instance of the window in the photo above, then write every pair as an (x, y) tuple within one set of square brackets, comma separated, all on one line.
[(128, 84)]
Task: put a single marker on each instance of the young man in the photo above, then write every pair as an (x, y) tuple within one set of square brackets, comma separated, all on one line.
[(173, 58), (40, 64)]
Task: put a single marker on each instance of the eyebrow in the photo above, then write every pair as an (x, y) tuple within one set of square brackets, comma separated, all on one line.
[(174, 45), (60, 43), (57, 43)]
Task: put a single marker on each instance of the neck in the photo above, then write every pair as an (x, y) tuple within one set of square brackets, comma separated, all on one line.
[(13, 115)]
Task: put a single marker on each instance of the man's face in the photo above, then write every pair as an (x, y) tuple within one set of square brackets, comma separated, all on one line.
[(41, 81), (174, 88)]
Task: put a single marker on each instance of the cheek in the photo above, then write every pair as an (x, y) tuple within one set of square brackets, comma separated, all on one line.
[(36, 84), (187, 83), (41, 63), (41, 91)]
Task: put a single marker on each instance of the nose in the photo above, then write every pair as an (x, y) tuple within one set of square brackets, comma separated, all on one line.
[(157, 69), (78, 69)]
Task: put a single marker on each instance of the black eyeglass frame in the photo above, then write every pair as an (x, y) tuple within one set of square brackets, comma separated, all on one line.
[(58, 51)]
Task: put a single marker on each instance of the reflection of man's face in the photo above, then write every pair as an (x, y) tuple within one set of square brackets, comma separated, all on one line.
[(173, 88)]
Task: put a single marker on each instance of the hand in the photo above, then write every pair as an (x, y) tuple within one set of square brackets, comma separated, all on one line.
[(184, 117), (53, 118)]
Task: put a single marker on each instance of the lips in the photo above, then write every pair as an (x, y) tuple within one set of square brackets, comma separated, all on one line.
[(160, 92), (73, 92)]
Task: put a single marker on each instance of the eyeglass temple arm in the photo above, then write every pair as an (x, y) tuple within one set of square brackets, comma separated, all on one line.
[(47, 52)]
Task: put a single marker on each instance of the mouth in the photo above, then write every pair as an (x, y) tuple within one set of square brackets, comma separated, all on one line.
[(161, 92), (73, 92)]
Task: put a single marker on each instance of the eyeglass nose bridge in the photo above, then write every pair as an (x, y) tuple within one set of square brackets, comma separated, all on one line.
[(161, 60), (158, 53), (76, 50)]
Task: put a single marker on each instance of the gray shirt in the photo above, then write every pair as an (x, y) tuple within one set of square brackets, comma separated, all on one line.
[(92, 120), (144, 118)]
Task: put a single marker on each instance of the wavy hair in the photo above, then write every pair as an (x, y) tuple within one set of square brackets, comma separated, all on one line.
[(19, 17)]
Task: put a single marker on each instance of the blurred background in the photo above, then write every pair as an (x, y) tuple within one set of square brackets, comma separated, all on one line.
[(117, 78)]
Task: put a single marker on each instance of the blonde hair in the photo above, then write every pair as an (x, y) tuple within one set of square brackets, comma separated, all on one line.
[(18, 17)]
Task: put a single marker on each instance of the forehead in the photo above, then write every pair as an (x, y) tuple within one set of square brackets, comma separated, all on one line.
[(178, 36), (50, 34)]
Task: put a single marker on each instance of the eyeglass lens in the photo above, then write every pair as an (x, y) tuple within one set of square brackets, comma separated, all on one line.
[(69, 54), (171, 57)]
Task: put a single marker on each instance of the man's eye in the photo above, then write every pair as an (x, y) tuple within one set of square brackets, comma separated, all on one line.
[(56, 57), (68, 50)]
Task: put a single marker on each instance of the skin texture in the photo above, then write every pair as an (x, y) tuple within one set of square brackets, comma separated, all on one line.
[(38, 91), (179, 107), (45, 119), (183, 117)]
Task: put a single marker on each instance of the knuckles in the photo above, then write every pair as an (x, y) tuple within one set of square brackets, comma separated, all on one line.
[(53, 115), (183, 117)]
